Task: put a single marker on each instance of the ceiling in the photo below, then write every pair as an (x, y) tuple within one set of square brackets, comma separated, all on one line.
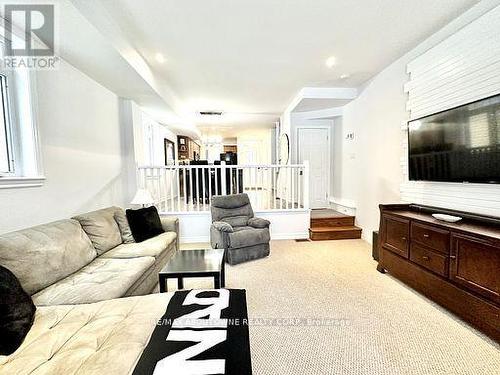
[(250, 58)]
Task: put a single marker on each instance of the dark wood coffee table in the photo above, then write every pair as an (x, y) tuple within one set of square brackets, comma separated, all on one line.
[(194, 263)]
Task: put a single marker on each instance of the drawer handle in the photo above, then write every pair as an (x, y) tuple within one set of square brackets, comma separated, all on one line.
[(453, 257), (403, 238), (426, 235), (425, 257)]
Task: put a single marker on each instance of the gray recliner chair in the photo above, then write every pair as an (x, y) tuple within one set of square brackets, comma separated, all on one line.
[(235, 229)]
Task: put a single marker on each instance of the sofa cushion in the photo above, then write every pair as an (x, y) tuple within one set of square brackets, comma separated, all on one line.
[(41, 255), (101, 280), (101, 338), (248, 236), (16, 312), (153, 247), (102, 229), (145, 223), (125, 231)]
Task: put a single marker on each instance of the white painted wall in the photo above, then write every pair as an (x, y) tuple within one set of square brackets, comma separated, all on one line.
[(254, 146), (153, 135), (373, 173), (461, 69), (337, 160), (194, 227), (212, 151), (342, 190), (82, 150)]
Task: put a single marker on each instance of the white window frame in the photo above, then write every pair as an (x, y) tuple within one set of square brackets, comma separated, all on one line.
[(7, 124), (25, 153)]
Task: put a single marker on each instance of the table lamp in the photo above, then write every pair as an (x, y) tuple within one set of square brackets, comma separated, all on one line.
[(142, 197)]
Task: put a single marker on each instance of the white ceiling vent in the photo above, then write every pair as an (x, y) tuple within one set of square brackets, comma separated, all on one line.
[(211, 113)]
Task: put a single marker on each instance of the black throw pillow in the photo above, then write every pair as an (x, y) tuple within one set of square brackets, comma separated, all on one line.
[(17, 312), (144, 223)]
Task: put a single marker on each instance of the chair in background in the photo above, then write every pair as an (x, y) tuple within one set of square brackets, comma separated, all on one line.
[(235, 229)]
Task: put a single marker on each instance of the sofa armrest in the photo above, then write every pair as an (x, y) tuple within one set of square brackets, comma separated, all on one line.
[(171, 224), (257, 222), (222, 226)]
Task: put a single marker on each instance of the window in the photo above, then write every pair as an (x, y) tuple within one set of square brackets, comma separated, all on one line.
[(479, 130), (6, 159), (169, 152), (20, 156)]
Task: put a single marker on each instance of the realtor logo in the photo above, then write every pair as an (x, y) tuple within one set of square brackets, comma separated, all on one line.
[(29, 36), (36, 20)]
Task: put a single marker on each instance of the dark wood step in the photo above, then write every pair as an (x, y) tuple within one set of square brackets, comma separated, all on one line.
[(334, 233), (325, 213), (341, 221)]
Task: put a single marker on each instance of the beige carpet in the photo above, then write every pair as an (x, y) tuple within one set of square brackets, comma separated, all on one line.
[(372, 324)]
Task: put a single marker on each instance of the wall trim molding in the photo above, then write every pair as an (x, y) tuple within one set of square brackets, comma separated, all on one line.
[(290, 236), (21, 182), (276, 237), (194, 239), (345, 206)]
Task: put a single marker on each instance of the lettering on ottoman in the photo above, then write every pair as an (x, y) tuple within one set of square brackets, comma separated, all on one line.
[(202, 332), (181, 362)]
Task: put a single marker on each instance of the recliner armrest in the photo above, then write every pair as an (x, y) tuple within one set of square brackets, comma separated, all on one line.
[(222, 226), (257, 222)]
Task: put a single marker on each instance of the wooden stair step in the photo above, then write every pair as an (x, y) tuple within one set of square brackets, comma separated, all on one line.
[(334, 233), (344, 221), (326, 213)]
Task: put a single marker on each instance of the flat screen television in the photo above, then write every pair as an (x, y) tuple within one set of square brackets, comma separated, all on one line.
[(457, 145)]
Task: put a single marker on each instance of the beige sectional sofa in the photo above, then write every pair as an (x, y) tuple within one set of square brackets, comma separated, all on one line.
[(75, 270), (85, 259), (102, 338)]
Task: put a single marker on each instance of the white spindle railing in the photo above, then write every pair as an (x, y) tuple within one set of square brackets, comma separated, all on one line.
[(188, 188)]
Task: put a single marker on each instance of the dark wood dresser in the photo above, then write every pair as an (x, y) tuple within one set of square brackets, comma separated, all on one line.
[(456, 265)]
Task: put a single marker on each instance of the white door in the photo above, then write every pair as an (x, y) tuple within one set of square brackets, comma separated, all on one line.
[(314, 146)]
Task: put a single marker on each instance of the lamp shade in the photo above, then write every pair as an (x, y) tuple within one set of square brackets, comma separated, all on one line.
[(143, 197)]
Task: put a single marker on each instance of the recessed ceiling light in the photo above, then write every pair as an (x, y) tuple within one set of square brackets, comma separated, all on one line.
[(330, 62), (160, 58), (345, 76)]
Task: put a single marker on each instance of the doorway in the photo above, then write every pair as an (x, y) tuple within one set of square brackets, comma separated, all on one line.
[(313, 144)]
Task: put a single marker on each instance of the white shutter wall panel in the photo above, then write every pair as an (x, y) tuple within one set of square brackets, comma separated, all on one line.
[(461, 69)]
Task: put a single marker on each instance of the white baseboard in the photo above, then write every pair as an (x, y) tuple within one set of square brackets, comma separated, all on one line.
[(346, 207), (277, 236), (290, 236), (367, 236), (195, 239)]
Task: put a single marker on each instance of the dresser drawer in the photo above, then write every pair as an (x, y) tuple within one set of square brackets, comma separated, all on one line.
[(434, 238), (433, 261), (396, 238)]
